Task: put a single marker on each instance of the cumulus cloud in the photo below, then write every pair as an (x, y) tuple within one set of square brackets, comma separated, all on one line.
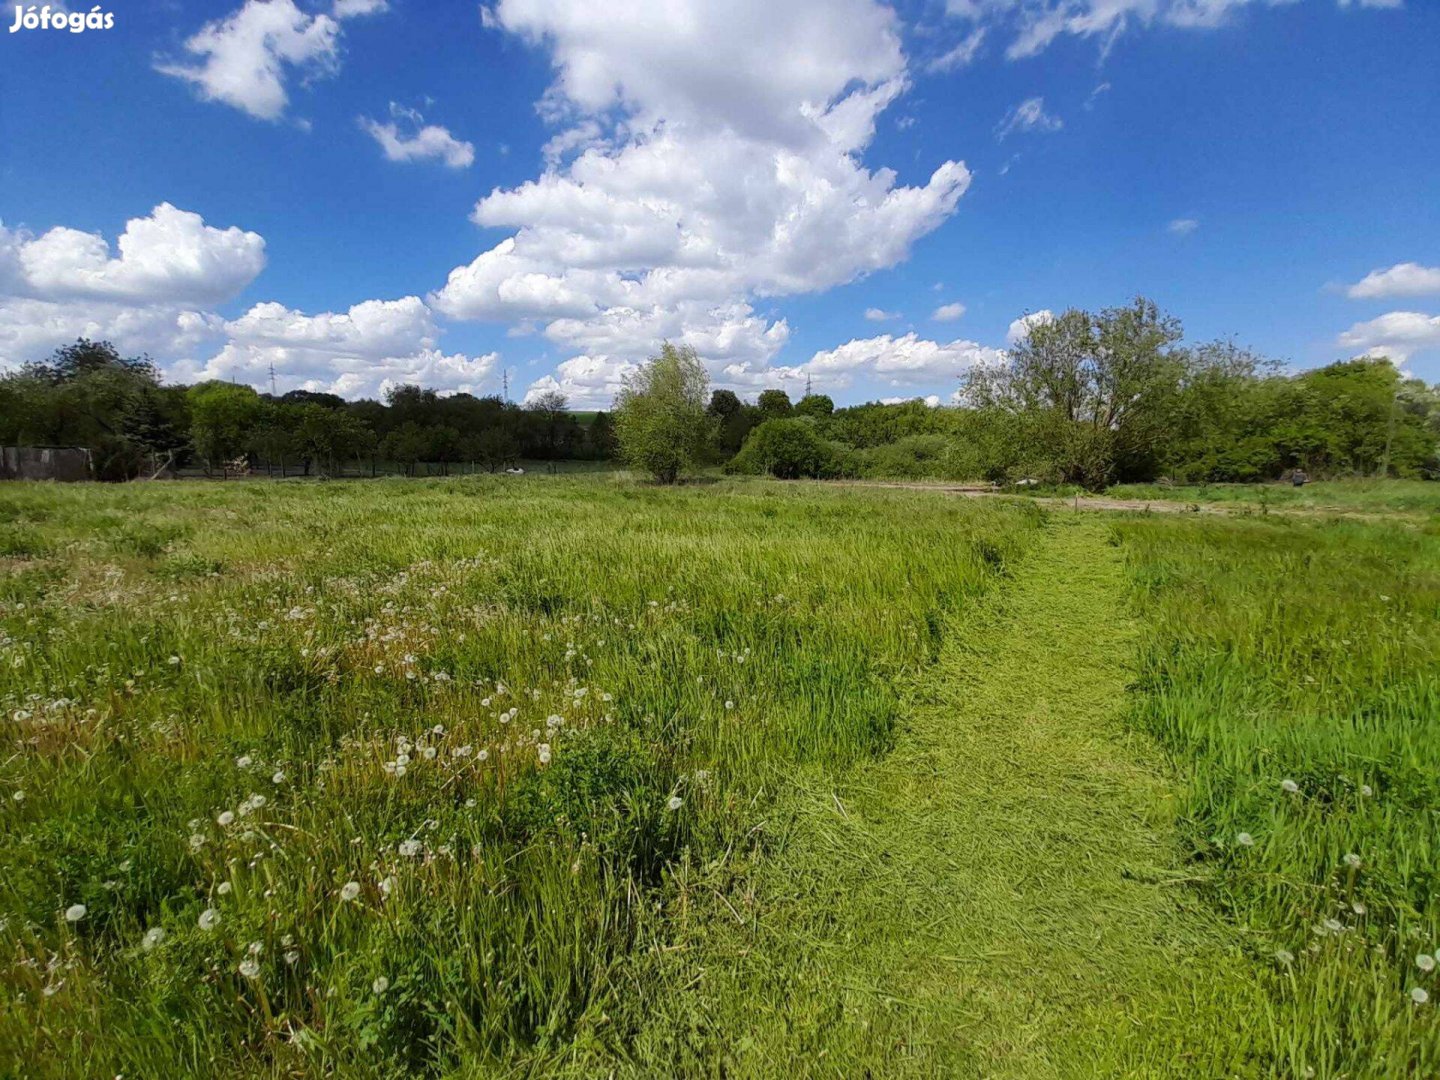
[(1402, 279), (1033, 25), (707, 157), (171, 256), (1396, 334), (67, 283), (1029, 115), (948, 312), (243, 60), (876, 314), (1020, 328), (406, 137), (897, 360), (361, 352)]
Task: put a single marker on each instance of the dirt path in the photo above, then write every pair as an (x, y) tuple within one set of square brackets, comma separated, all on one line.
[(998, 896)]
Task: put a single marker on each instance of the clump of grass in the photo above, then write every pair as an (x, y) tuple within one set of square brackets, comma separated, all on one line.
[(1293, 671)]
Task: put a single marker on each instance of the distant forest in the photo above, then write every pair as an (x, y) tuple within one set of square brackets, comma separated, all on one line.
[(1089, 399)]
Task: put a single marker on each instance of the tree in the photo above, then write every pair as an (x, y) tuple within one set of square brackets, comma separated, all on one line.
[(660, 420), (407, 446), (1094, 392), (222, 417), (774, 403), (817, 405)]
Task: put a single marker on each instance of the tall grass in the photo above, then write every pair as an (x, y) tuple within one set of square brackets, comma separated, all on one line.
[(1293, 671), (386, 777)]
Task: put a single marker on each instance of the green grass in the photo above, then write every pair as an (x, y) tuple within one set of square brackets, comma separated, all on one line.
[(958, 785), (1330, 496), (171, 651), (1282, 650)]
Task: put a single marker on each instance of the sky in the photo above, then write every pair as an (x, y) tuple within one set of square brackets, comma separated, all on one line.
[(862, 197)]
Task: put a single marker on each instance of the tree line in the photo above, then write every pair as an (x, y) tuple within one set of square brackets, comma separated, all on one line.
[(1087, 398), (87, 394)]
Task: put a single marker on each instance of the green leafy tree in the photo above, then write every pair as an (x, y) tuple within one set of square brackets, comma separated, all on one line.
[(774, 404), (661, 423), (222, 419), (818, 406)]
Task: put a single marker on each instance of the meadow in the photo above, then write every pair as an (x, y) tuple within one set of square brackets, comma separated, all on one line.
[(578, 776)]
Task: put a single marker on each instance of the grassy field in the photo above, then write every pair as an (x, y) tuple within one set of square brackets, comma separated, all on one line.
[(575, 776), (1321, 496)]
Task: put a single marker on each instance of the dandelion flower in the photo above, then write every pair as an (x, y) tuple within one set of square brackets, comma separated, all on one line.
[(1352, 860), (226, 819), (729, 704), (154, 936), (244, 761), (1425, 962), (75, 912), (224, 888), (1289, 786), (350, 890), (1245, 840), (250, 968), (278, 778), (209, 919), (410, 848), (380, 985), (544, 752), (1419, 995), (674, 803)]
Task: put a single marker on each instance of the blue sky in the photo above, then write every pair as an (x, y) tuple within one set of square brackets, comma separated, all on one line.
[(865, 196)]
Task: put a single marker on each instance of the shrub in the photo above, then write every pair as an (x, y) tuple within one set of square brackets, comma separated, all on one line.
[(787, 449)]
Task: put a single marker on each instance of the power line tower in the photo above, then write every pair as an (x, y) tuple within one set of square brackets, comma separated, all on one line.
[(272, 380), (807, 384), (505, 384)]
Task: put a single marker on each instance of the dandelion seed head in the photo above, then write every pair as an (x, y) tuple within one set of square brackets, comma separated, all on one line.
[(1419, 995), (250, 968), (1289, 786), (350, 890), (1425, 962), (1352, 860), (153, 937), (226, 819), (75, 912), (209, 919), (674, 803), (1245, 840)]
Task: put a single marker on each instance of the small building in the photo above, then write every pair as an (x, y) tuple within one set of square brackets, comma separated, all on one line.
[(65, 463)]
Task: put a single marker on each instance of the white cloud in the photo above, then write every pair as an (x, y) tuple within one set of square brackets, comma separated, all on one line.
[(357, 353), (876, 314), (1396, 334), (1035, 24), (962, 55), (67, 283), (169, 257), (948, 312), (897, 360), (1402, 279), (406, 137), (1029, 115), (713, 160), (1020, 328), (243, 60), (588, 382), (1182, 226)]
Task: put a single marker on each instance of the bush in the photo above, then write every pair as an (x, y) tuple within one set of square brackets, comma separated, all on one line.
[(786, 449)]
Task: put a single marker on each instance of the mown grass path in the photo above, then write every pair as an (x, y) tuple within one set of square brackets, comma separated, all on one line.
[(998, 896)]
